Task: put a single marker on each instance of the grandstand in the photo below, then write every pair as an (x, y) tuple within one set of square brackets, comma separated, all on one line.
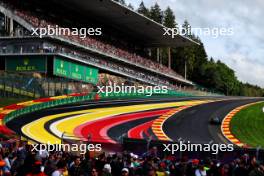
[(123, 49)]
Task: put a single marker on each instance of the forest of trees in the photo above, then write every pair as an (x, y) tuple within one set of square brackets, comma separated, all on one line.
[(205, 71)]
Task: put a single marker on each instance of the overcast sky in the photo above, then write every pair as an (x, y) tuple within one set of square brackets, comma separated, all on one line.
[(244, 50)]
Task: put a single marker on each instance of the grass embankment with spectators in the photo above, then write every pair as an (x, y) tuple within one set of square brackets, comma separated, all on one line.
[(9, 101), (248, 125)]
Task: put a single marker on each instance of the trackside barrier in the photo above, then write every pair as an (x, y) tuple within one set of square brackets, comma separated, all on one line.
[(17, 110), (40, 105), (121, 95), (170, 93), (13, 111), (178, 94), (74, 98)]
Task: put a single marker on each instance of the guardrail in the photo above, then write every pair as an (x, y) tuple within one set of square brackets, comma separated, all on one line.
[(18, 91)]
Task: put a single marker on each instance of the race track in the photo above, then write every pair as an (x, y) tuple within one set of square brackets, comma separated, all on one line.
[(108, 121), (193, 124)]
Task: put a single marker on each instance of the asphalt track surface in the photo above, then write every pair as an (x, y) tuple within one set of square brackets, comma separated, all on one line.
[(193, 124), (109, 120)]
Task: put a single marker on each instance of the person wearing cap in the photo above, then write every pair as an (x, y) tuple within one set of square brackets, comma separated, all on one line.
[(125, 172), (161, 169), (107, 170), (36, 170), (2, 166)]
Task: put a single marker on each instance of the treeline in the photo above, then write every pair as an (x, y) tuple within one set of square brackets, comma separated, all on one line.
[(206, 72)]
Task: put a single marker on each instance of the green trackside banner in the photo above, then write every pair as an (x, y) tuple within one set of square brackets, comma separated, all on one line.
[(26, 63), (91, 75), (75, 71)]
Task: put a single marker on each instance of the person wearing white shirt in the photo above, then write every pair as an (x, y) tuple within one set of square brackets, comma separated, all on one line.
[(200, 171)]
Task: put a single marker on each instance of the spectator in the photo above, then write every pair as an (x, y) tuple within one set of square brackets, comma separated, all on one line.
[(121, 164), (50, 165), (258, 171), (61, 168), (107, 170), (86, 165), (240, 169), (37, 170), (200, 171), (125, 172), (75, 169), (151, 172), (94, 172)]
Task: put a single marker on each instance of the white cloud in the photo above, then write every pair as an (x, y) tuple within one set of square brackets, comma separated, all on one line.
[(245, 47), (251, 71)]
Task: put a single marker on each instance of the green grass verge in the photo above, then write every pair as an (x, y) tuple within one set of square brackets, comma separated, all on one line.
[(248, 125), (9, 101)]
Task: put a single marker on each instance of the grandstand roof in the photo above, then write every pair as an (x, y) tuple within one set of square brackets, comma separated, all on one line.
[(141, 28)]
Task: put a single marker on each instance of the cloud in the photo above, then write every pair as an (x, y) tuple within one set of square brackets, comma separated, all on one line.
[(251, 71), (246, 46)]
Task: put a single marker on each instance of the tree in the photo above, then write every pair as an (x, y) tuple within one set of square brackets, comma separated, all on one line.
[(156, 13), (210, 73), (169, 18), (186, 29), (143, 10), (121, 2), (130, 6)]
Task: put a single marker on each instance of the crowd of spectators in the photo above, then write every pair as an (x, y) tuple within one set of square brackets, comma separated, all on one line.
[(101, 62), (110, 49), (119, 67), (19, 159), (134, 73), (104, 47)]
